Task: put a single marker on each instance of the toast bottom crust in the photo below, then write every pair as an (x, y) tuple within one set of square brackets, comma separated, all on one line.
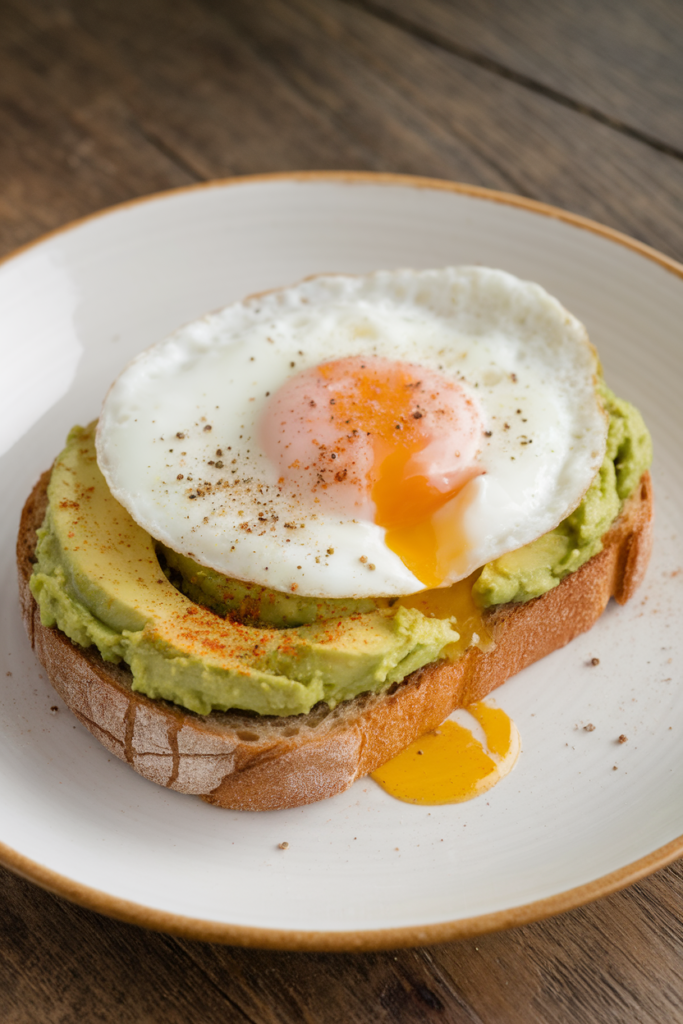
[(248, 762)]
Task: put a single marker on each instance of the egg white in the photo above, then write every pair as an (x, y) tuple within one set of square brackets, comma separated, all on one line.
[(508, 343)]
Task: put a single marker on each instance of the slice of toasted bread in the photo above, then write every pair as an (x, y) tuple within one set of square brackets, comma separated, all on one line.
[(252, 762)]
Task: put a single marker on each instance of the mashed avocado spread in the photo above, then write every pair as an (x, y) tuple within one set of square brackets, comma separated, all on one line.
[(205, 642)]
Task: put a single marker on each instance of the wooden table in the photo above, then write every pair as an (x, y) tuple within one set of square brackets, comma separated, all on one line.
[(572, 102)]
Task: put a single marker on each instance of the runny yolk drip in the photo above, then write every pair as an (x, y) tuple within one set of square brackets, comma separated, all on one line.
[(449, 765), (454, 602), (423, 432), (405, 506)]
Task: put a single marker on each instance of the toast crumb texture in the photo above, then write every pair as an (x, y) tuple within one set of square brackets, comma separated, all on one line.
[(249, 762)]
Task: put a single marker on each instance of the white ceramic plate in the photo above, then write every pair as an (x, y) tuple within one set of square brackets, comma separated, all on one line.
[(362, 870)]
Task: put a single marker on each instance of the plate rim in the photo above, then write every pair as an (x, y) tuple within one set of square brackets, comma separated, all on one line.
[(356, 940)]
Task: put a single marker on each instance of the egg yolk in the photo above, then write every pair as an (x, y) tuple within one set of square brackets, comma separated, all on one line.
[(449, 765), (378, 439)]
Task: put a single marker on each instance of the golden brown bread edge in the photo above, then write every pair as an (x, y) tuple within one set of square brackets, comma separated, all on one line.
[(250, 762)]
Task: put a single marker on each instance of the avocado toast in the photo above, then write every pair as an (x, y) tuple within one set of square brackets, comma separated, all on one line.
[(249, 760)]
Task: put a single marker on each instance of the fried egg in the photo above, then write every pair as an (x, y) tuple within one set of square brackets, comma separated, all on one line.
[(367, 436)]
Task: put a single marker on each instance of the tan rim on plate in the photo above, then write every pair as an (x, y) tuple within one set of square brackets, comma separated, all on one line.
[(379, 938)]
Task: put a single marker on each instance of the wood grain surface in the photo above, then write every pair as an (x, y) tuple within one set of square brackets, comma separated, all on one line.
[(572, 103), (617, 62)]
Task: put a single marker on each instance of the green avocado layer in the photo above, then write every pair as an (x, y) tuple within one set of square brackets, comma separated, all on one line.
[(194, 637), (252, 603)]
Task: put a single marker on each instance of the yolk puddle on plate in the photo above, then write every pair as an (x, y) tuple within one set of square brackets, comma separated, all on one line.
[(449, 765)]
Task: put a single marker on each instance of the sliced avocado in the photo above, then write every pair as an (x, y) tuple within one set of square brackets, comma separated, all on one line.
[(98, 579)]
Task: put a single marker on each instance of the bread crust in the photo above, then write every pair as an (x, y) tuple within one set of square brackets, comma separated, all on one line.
[(249, 762)]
